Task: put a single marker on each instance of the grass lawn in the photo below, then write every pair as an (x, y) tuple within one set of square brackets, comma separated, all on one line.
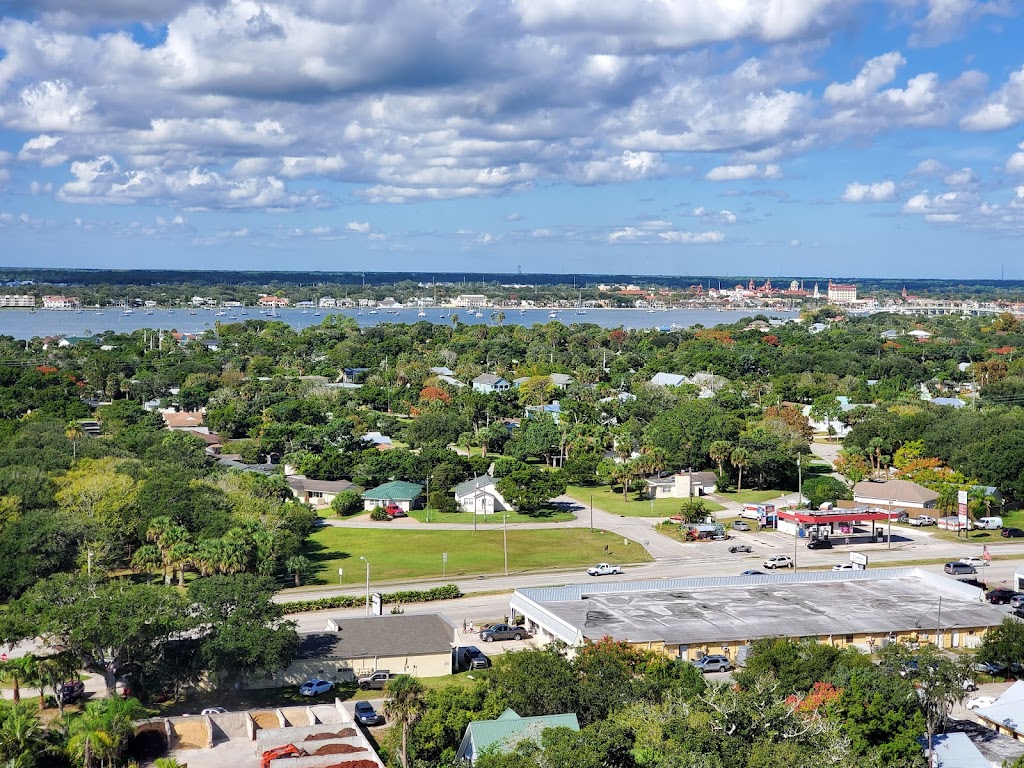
[(612, 502), (543, 516), (404, 554), (751, 497)]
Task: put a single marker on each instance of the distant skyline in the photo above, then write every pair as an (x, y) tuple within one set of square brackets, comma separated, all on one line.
[(848, 137)]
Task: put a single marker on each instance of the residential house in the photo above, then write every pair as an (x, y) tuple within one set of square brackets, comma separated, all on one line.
[(902, 493), (17, 300), (319, 493), (955, 750), (413, 644), (681, 485), (60, 302), (378, 439), (838, 426), (561, 380), (451, 381), (508, 730), (816, 328), (184, 421), (440, 370), (353, 375), (327, 302), (919, 335), (480, 495), (488, 383), (273, 301), (890, 334), (662, 379), (74, 341), (406, 496), (554, 410), (952, 402)]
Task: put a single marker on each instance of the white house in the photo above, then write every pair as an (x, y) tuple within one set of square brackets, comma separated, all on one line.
[(486, 383), (480, 495), (838, 426), (682, 485)]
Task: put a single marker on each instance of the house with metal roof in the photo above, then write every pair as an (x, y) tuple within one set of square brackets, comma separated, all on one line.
[(1006, 715), (414, 644), (901, 493), (662, 379), (508, 730), (398, 492), (480, 495), (488, 383), (956, 750)]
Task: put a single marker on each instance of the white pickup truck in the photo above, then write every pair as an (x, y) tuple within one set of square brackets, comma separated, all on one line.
[(603, 569)]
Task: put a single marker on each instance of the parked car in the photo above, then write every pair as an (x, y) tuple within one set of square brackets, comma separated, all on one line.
[(393, 511), (987, 667), (740, 525), (977, 562), (376, 680), (1000, 595), (753, 573), (843, 567), (713, 664), (981, 701), (959, 568), (819, 544), (366, 714), (779, 561), (1011, 533), (922, 520), (502, 632), (213, 711), (474, 658), (71, 691), (1017, 601), (740, 548), (1019, 613), (603, 569), (315, 687), (974, 583), (989, 523)]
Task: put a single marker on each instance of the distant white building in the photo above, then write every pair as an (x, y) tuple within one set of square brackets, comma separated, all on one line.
[(842, 292), (60, 302), (481, 496), (470, 300), (17, 300)]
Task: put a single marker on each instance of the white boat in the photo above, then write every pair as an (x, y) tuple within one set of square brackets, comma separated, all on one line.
[(479, 314), (522, 311), (304, 312), (373, 312), (222, 313), (193, 312), (128, 312), (421, 313), (359, 313), (316, 314), (553, 313)]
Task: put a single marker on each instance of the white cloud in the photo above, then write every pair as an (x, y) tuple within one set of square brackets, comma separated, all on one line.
[(963, 177), (692, 238), (928, 167), (870, 193), (358, 226), (1004, 108), (1015, 163), (948, 19), (876, 73), (746, 171)]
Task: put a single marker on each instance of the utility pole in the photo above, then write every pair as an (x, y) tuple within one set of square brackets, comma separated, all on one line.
[(591, 513), (367, 583), (504, 539)]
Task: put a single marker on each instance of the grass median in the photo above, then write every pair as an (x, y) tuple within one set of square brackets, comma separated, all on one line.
[(403, 554), (632, 506)]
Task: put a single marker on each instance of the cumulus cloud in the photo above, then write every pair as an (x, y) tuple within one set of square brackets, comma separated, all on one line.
[(1015, 163), (928, 167), (963, 177), (746, 171), (869, 193), (362, 227), (1003, 109), (947, 19), (877, 72), (659, 234)]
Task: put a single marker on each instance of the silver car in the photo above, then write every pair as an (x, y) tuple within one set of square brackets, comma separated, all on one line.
[(713, 664)]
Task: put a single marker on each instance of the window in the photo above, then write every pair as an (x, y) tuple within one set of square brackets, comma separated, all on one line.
[(849, 638)]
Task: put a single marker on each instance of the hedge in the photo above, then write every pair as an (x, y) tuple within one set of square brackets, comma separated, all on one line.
[(447, 592)]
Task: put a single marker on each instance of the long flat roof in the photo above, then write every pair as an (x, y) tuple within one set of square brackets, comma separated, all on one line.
[(810, 604)]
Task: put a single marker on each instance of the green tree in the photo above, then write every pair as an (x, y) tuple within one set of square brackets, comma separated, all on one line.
[(719, 451), (405, 706), (1004, 644), (819, 490), (534, 682), (739, 458), (528, 490), (347, 503), (300, 567)]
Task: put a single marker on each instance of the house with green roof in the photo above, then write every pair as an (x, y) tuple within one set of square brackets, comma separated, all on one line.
[(398, 492), (508, 730)]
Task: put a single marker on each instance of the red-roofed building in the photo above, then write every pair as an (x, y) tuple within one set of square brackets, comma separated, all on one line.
[(842, 292), (273, 301)]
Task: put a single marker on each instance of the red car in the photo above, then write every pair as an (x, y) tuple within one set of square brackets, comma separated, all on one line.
[(393, 511)]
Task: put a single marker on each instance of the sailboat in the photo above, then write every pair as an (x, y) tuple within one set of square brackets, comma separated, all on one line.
[(579, 305)]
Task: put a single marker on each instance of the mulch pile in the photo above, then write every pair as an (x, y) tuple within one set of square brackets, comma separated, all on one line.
[(354, 764), (344, 733), (338, 749)]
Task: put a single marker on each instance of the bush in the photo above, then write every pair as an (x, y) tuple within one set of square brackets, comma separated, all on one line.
[(447, 592), (379, 514), (443, 502), (347, 503)]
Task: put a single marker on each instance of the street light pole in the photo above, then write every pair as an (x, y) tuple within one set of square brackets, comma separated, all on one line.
[(890, 524), (591, 513), (504, 539), (799, 483), (367, 583)]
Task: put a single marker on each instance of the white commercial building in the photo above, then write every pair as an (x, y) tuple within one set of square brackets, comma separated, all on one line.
[(60, 302), (470, 300), (17, 300)]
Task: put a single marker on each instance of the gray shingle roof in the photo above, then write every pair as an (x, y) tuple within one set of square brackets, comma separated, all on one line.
[(399, 635), (303, 483), (471, 485)]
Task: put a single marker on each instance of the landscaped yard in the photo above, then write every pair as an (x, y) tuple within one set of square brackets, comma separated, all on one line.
[(612, 502), (404, 554), (751, 497), (545, 516)]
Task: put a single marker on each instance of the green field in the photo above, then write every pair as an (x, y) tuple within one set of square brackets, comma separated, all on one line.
[(403, 554), (613, 503), (750, 497), (546, 516)]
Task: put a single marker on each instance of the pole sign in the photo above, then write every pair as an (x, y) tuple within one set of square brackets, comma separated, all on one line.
[(961, 499), (859, 560), (378, 604)]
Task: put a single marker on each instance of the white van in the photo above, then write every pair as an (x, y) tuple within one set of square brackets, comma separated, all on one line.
[(989, 523)]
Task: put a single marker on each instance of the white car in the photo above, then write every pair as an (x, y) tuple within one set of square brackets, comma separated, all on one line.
[(779, 561), (977, 562), (315, 687), (213, 711), (843, 567), (603, 569), (981, 701), (923, 520)]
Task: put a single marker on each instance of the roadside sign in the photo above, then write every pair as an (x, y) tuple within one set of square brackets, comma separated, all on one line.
[(444, 557), (859, 559), (961, 502)]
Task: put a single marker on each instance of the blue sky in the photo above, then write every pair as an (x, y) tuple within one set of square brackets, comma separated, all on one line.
[(825, 137)]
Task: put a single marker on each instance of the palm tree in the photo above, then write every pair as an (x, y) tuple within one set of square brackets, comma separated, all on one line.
[(719, 451), (947, 500), (22, 737), (89, 736), (166, 534), (54, 670), (17, 671), (74, 434), (299, 567), (405, 705), (623, 473), (146, 558), (179, 557), (739, 458), (501, 317)]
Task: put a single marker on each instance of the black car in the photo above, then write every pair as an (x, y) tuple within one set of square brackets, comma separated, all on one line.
[(819, 544), (1011, 533), (740, 548), (474, 658), (71, 691), (1000, 595), (366, 714)]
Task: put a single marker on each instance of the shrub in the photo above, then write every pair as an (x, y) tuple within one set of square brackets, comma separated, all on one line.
[(447, 592), (347, 502), (379, 514)]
